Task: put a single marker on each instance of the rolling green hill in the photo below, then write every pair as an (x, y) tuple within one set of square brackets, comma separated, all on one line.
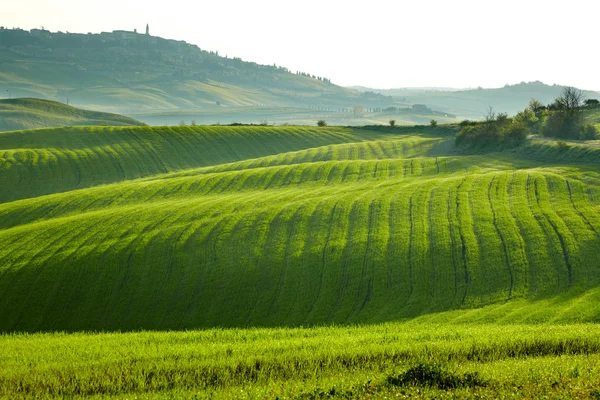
[(18, 114), (111, 228)]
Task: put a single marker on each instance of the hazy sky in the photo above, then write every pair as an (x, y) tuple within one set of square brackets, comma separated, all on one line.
[(376, 43)]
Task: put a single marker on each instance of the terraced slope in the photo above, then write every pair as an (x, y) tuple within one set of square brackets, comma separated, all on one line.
[(28, 113), (174, 228)]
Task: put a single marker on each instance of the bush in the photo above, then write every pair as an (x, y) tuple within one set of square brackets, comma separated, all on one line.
[(433, 122), (562, 145), (588, 132), (559, 126), (468, 134), (499, 131), (467, 122), (528, 117), (321, 122), (592, 103), (565, 119), (427, 375), (392, 122), (515, 133)]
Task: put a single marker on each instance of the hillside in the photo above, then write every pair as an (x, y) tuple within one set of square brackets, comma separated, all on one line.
[(473, 103), (132, 73), (191, 227), (163, 82), (18, 114)]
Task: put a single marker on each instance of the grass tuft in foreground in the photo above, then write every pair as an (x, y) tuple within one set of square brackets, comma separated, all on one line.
[(339, 362)]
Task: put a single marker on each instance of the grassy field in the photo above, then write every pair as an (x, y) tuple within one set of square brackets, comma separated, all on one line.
[(17, 114), (393, 360), (196, 227), (287, 116), (477, 274)]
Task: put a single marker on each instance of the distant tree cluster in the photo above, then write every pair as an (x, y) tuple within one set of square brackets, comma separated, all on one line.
[(563, 119), (319, 78), (496, 130), (592, 103)]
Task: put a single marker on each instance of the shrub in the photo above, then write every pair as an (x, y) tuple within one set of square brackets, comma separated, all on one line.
[(565, 119), (588, 132), (495, 131), (321, 122), (592, 103), (467, 122), (392, 122), (432, 375), (560, 126), (562, 145), (528, 117), (468, 134), (515, 133), (433, 122)]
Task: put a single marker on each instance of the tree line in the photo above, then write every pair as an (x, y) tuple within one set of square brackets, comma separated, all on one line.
[(562, 119)]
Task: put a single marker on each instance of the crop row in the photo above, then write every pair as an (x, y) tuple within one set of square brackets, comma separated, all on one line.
[(368, 250), (38, 162)]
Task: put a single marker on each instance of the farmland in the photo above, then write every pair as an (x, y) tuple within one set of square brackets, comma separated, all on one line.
[(336, 257), (393, 360), (37, 113)]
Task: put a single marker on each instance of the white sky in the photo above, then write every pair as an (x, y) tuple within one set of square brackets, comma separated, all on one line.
[(375, 43)]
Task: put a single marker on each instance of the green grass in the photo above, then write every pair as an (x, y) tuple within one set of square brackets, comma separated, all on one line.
[(18, 114), (393, 360), (197, 227), (300, 115), (415, 270)]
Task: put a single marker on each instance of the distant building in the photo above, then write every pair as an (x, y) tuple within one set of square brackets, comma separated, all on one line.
[(125, 35), (147, 30)]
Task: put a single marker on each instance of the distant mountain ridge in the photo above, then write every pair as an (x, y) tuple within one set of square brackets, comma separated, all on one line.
[(130, 73), (472, 103)]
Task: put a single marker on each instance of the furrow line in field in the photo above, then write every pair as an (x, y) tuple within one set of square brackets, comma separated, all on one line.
[(551, 218), (438, 249), (353, 282), (577, 206), (500, 233), (581, 236), (558, 258), (470, 246), (31, 258), (457, 249)]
